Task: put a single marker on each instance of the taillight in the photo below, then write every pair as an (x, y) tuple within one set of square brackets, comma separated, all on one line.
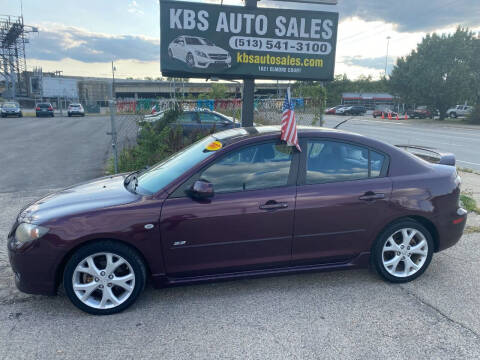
[(50, 108), (38, 108)]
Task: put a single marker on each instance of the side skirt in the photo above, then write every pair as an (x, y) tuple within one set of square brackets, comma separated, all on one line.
[(360, 261)]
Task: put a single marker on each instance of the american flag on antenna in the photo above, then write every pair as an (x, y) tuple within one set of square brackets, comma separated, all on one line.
[(289, 124)]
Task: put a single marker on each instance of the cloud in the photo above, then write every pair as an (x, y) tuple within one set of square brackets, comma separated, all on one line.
[(57, 42), (377, 63), (134, 8), (414, 15)]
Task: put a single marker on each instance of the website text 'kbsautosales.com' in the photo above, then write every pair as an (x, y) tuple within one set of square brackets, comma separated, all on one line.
[(278, 63)]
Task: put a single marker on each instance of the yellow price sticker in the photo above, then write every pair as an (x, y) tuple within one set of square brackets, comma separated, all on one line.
[(214, 146)]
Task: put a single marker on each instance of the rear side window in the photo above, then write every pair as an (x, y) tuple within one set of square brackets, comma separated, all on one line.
[(332, 161), (377, 162)]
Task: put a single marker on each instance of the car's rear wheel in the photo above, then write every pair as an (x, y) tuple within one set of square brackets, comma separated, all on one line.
[(403, 251), (104, 278)]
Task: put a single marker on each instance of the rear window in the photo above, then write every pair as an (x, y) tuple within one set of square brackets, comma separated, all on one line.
[(44, 105)]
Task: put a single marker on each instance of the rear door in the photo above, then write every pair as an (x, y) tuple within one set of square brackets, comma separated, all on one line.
[(343, 194), (248, 224)]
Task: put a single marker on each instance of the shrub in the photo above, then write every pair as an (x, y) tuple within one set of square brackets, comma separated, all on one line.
[(474, 117), (156, 141)]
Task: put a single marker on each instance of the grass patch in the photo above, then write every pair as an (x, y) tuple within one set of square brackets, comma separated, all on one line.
[(472, 230), (469, 203), (469, 171)]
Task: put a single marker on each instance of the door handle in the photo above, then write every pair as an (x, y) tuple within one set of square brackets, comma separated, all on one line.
[(371, 196), (273, 205)]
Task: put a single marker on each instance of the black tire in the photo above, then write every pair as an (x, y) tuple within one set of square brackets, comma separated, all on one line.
[(20, 115), (453, 115), (377, 250), (113, 247), (69, 115), (170, 53), (53, 115)]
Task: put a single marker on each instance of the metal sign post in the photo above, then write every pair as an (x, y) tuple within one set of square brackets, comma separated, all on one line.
[(248, 87)]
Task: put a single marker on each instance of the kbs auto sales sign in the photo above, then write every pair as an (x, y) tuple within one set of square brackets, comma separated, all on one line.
[(201, 40)]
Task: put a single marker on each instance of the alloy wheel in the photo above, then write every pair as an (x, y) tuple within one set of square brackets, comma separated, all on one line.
[(103, 280), (405, 252)]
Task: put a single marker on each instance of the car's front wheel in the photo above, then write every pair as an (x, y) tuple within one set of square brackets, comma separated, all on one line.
[(453, 115), (403, 251), (104, 278), (190, 60)]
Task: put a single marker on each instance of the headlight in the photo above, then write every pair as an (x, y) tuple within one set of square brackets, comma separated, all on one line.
[(28, 232), (201, 53)]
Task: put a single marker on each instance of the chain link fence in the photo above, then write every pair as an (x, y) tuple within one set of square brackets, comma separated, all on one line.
[(129, 115)]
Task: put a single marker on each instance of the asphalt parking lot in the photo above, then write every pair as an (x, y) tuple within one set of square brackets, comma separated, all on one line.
[(347, 314)]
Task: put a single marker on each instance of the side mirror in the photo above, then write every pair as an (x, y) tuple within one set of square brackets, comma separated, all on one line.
[(201, 189)]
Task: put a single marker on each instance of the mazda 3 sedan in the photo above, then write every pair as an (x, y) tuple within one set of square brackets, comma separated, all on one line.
[(240, 203)]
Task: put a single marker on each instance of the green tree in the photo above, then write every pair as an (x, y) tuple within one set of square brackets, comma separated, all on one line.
[(317, 95), (440, 73), (218, 91)]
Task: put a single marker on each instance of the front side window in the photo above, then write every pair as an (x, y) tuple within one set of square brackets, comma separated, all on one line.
[(332, 161), (186, 118), (210, 118), (261, 166)]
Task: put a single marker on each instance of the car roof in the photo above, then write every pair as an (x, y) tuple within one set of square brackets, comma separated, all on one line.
[(237, 134)]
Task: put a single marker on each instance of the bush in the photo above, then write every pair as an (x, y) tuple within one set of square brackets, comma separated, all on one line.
[(156, 141), (474, 117)]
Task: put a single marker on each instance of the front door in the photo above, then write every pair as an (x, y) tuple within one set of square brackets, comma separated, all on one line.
[(248, 223), (343, 195)]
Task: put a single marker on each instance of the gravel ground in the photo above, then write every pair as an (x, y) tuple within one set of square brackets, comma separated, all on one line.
[(345, 314)]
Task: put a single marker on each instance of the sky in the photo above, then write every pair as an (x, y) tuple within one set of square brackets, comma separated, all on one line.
[(83, 37)]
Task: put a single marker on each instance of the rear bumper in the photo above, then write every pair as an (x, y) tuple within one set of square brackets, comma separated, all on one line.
[(450, 231)]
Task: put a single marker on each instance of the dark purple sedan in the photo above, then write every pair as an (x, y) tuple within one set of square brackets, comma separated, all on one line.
[(240, 203)]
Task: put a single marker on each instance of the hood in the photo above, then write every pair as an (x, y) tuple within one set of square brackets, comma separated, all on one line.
[(88, 196), (209, 49)]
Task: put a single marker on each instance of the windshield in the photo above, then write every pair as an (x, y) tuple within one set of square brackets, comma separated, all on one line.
[(9, 106), (193, 41), (165, 172)]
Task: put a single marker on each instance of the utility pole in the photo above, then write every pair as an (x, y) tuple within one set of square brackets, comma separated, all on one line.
[(113, 81), (386, 57), (248, 86), (113, 131)]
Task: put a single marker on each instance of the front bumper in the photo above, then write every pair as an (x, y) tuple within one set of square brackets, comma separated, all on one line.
[(34, 267), (205, 63)]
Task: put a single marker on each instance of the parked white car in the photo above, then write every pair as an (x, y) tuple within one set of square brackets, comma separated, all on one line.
[(459, 111), (75, 109), (198, 52), (341, 111)]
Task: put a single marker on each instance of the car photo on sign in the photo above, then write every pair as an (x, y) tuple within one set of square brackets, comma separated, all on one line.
[(198, 52)]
